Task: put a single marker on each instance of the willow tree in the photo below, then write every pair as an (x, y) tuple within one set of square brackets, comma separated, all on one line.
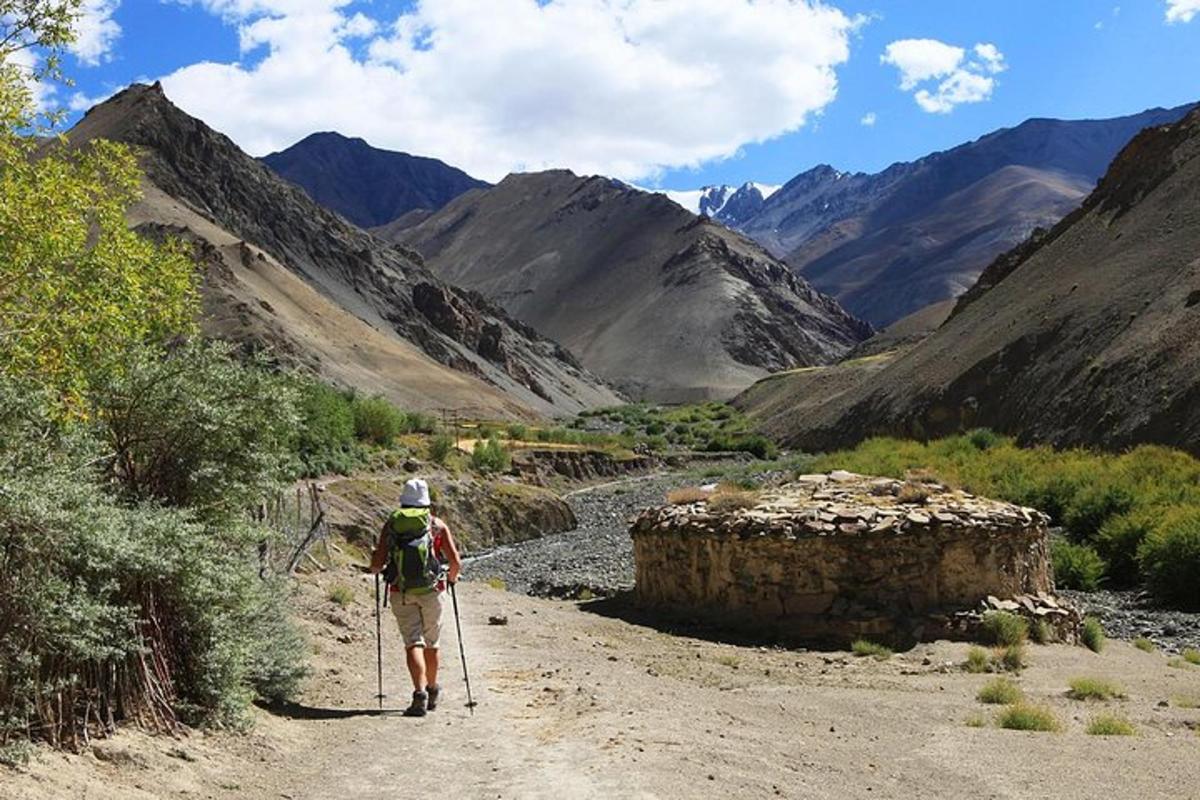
[(77, 286)]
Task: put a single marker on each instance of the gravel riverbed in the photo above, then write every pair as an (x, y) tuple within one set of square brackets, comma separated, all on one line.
[(596, 557)]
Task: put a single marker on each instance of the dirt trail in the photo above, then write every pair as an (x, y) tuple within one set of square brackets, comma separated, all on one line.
[(574, 704)]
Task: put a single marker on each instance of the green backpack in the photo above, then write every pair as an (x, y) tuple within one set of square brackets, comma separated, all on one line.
[(413, 565)]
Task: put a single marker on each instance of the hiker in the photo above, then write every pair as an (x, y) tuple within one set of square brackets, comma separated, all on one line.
[(421, 560)]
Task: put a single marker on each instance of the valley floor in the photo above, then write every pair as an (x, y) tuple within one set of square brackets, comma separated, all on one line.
[(573, 703)]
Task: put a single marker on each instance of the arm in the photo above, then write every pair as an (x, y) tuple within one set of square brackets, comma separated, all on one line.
[(449, 553), (380, 556)]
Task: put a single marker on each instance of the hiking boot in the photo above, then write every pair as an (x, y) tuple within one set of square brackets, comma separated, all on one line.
[(417, 709), (434, 693)]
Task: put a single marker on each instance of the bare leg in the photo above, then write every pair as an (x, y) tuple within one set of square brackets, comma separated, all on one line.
[(431, 666), (415, 656)]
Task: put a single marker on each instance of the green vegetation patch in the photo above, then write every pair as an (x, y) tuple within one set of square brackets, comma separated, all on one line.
[(1023, 717), (1004, 629), (977, 660), (1092, 635), (1144, 644), (340, 594), (710, 427), (1085, 688), (864, 649), (1000, 691), (1110, 725)]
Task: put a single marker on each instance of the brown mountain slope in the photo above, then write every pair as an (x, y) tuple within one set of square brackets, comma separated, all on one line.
[(888, 244), (665, 305), (1090, 335), (300, 278)]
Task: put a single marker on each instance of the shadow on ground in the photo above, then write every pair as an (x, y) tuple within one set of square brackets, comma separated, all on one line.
[(300, 711), (622, 606)]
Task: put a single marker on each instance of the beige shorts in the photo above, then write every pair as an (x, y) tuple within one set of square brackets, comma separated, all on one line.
[(419, 617)]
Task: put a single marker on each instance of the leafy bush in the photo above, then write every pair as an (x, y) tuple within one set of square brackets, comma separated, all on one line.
[(864, 648), (1076, 566), (417, 422), (1110, 725), (1023, 717), (1093, 635), (1170, 557), (977, 660), (1004, 629), (1000, 691), (490, 456), (1094, 505), (325, 438), (376, 420), (440, 448), (984, 438), (195, 428), (1118, 541), (1093, 689), (95, 590), (517, 431)]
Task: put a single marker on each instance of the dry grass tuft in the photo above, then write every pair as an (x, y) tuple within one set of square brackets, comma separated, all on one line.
[(1110, 725), (732, 500), (1001, 692), (1023, 717), (863, 648), (690, 494), (1093, 689)]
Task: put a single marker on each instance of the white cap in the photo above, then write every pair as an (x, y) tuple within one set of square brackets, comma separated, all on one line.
[(415, 494)]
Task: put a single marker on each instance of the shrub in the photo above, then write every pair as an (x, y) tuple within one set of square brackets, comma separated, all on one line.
[(440, 448), (517, 431), (1118, 541), (1004, 629), (1191, 655), (1009, 659), (376, 420), (416, 422), (1093, 689), (684, 496), (1093, 635), (1110, 725), (341, 594), (1170, 557), (1021, 717), (863, 648), (1041, 632), (977, 660), (490, 456), (727, 500), (1144, 644), (1088, 510), (325, 440), (984, 438), (1000, 691), (95, 590), (1076, 566), (195, 428)]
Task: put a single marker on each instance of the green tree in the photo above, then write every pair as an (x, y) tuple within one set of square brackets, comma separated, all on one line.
[(76, 284)]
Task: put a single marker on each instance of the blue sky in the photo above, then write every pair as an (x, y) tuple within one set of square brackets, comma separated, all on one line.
[(671, 94)]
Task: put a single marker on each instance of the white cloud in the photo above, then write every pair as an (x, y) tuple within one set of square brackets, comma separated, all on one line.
[(869, 119), (621, 87), (1182, 10), (96, 31), (959, 79), (41, 92)]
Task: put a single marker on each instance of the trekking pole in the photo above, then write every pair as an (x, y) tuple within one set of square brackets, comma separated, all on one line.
[(378, 647), (462, 653)]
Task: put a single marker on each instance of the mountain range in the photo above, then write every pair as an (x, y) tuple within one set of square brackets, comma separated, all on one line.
[(666, 305), (366, 185), (886, 245), (283, 272), (732, 205), (1085, 334)]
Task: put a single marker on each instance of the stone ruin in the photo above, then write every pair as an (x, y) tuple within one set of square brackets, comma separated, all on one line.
[(842, 556)]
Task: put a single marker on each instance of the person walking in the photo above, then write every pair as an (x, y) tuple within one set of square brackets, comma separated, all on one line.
[(417, 555)]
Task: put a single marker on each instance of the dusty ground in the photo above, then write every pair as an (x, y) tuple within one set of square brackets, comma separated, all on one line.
[(574, 703)]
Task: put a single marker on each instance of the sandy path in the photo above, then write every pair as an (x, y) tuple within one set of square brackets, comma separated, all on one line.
[(573, 704)]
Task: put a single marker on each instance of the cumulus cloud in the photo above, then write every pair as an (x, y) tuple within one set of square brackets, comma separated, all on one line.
[(959, 79), (1182, 10), (96, 32), (620, 87), (869, 119)]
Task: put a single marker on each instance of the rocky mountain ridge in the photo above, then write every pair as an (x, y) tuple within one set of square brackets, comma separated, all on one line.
[(367, 185), (1088, 334), (201, 185), (667, 305)]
